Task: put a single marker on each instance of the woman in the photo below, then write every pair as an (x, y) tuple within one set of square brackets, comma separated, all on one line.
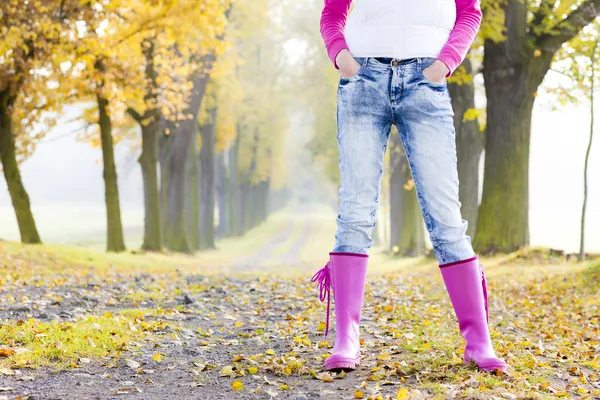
[(394, 57)]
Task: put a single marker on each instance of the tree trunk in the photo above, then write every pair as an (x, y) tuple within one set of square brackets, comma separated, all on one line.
[(469, 145), (12, 174), (512, 76), (114, 231), (266, 184), (407, 234), (193, 203), (376, 235), (244, 201), (207, 182), (177, 161), (222, 192), (163, 156), (237, 222), (248, 187), (587, 155), (151, 129), (149, 163)]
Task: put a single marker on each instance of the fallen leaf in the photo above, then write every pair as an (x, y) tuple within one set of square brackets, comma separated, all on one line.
[(6, 371), (326, 377), (402, 394), (237, 385), (6, 352), (132, 364)]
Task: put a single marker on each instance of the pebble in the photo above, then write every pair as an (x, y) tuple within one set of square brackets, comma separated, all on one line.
[(300, 396), (509, 396), (19, 308), (256, 340), (49, 316), (188, 299)]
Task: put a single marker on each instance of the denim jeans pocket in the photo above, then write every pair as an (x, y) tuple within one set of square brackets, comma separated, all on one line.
[(344, 80), (426, 63)]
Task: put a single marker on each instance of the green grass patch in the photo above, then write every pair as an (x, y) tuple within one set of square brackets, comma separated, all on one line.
[(31, 343)]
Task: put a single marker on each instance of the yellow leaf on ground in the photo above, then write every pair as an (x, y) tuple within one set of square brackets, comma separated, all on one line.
[(321, 326), (237, 385), (402, 394), (384, 357), (157, 357), (6, 352), (359, 395), (326, 377), (227, 370), (425, 347)]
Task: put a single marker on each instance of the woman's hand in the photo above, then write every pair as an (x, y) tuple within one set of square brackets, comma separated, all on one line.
[(347, 64), (436, 72)]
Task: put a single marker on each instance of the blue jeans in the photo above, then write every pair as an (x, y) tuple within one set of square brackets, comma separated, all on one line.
[(368, 103)]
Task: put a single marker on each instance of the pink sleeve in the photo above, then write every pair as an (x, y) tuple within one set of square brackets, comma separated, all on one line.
[(333, 21), (468, 20)]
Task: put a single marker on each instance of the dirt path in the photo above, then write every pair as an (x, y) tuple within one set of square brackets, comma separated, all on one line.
[(263, 332)]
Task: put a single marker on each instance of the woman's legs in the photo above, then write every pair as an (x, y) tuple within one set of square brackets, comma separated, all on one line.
[(424, 117), (364, 122)]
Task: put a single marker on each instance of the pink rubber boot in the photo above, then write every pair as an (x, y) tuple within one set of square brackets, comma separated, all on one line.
[(346, 273), (467, 289)]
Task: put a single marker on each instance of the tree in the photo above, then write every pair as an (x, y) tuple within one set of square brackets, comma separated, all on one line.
[(407, 237), (513, 70), (33, 39), (468, 119), (469, 140), (149, 121)]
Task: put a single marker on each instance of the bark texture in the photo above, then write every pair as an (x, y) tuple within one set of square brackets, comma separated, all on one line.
[(114, 228), (406, 223), (12, 174), (469, 146), (207, 182)]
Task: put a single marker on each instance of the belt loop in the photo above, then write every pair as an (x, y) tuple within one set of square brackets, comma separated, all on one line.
[(420, 63), (365, 61)]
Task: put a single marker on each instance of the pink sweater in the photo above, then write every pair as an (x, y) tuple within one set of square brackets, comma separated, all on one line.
[(468, 20)]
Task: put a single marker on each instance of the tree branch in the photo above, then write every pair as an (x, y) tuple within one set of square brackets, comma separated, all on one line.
[(569, 27), (134, 114)]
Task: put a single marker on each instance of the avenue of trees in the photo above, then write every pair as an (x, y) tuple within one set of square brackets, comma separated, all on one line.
[(206, 90), (189, 80)]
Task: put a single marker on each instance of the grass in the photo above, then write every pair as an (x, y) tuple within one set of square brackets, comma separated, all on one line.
[(67, 344)]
